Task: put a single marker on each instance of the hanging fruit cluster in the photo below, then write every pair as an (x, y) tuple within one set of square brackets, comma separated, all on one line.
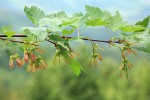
[(35, 62)]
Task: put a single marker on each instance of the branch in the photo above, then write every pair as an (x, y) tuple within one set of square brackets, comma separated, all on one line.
[(14, 36), (106, 41), (4, 39)]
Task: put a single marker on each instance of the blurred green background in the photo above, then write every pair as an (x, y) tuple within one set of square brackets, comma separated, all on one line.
[(58, 82)]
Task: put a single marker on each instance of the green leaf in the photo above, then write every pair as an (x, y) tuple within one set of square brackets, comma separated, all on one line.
[(9, 33), (75, 66), (61, 19), (106, 15), (146, 48), (144, 22), (132, 28), (64, 51), (68, 22), (65, 21), (40, 33), (73, 22), (58, 40), (68, 31), (93, 12), (96, 17), (77, 15), (143, 41), (115, 22), (34, 14), (52, 24), (81, 20), (59, 15), (96, 22), (55, 38), (7, 30)]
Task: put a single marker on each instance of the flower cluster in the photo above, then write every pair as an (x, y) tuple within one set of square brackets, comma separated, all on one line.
[(95, 55), (15, 58), (127, 51), (126, 65), (64, 55), (35, 62)]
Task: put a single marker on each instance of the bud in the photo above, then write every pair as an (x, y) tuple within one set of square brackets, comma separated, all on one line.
[(129, 65), (43, 63), (19, 62), (11, 63), (100, 57), (26, 57), (33, 56), (121, 66), (28, 68), (33, 69), (95, 61), (37, 65), (92, 62), (41, 66), (129, 51)]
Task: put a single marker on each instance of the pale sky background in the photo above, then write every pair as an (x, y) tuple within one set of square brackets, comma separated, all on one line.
[(12, 13), (132, 10)]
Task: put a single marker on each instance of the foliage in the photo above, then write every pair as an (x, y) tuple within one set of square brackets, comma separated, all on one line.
[(55, 28), (7, 30)]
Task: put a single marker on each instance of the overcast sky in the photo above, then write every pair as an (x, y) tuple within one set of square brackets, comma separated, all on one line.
[(130, 9)]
